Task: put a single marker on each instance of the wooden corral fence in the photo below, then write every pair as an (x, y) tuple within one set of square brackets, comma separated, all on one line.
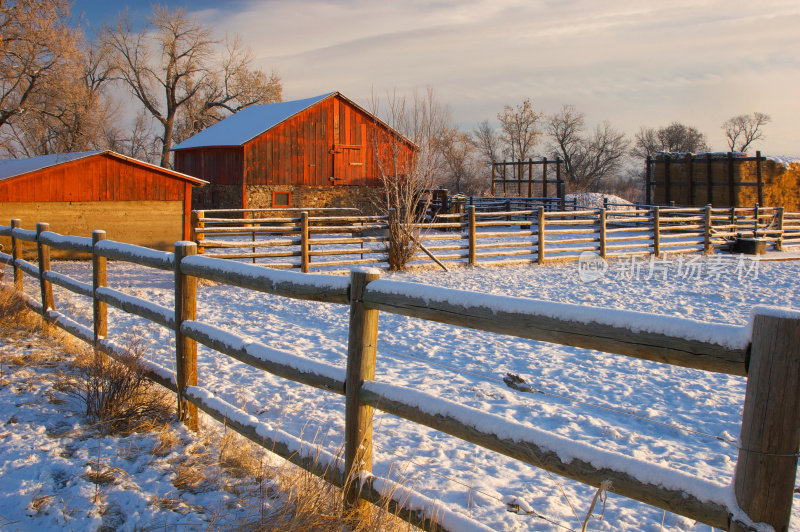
[(529, 177), (766, 352), (490, 237)]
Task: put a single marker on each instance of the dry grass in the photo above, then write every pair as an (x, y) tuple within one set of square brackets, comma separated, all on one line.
[(119, 400), (116, 396)]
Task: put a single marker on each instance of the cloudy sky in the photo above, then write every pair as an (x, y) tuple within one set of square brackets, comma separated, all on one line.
[(634, 63)]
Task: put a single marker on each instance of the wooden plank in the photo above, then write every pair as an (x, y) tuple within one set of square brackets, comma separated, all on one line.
[(536, 454), (611, 339), (16, 254)]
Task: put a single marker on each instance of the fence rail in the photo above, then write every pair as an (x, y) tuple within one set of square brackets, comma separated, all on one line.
[(768, 349), (495, 234)]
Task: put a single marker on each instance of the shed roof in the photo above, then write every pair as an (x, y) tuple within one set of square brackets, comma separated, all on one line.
[(247, 124), (16, 167)]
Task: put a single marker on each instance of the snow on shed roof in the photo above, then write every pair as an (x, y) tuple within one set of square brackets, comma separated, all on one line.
[(15, 167), (239, 128)]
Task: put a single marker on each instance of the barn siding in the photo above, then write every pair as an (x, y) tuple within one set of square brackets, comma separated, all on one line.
[(299, 151), (83, 180), (220, 166)]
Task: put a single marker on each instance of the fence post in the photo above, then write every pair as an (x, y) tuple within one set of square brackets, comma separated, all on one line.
[(707, 231), (759, 179), (779, 242), (755, 220), (770, 435), (492, 179), (540, 243), (656, 231), (99, 308), (709, 178), (304, 241), (603, 232), (198, 223), (43, 253), (361, 354), (185, 347), (648, 181), (733, 219), (16, 254), (472, 237), (731, 183)]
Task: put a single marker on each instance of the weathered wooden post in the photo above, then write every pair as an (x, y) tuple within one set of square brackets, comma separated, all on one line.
[(709, 178), (198, 222), (304, 241), (43, 254), (731, 182), (602, 222), (755, 220), (667, 180), (540, 243), (770, 435), (759, 179), (99, 308), (544, 177), (707, 230), (648, 181), (361, 358), (656, 231), (530, 178), (185, 347), (690, 174), (492, 178), (16, 255), (733, 219), (473, 240), (779, 242)]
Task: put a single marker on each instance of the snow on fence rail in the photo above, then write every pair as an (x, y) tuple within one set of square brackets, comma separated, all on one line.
[(493, 237), (766, 352)]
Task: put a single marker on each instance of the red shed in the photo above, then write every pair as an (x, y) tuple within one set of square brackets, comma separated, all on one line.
[(133, 201), (315, 152)]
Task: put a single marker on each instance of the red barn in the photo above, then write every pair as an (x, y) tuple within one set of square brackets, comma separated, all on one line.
[(133, 201), (315, 152)]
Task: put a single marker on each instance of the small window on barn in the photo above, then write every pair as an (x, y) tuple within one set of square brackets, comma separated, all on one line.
[(281, 199)]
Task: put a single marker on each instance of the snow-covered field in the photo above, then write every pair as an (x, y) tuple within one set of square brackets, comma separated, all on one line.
[(683, 419)]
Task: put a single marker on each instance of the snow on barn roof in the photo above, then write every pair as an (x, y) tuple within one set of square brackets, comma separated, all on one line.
[(239, 128), (15, 167)]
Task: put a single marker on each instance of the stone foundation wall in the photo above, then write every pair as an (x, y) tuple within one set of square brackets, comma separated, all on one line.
[(217, 197), (362, 198)]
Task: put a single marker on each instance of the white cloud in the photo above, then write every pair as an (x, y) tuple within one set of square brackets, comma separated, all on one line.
[(631, 62)]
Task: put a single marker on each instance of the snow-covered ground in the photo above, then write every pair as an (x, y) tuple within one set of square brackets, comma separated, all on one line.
[(683, 419)]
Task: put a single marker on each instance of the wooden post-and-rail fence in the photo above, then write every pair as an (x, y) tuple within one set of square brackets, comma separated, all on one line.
[(473, 237), (768, 353)]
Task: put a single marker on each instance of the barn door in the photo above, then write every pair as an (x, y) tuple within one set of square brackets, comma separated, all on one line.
[(349, 154)]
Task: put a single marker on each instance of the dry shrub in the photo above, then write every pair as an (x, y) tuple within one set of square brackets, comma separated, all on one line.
[(15, 316), (116, 395)]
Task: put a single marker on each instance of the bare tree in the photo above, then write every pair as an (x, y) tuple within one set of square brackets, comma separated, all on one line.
[(462, 162), (407, 167), (743, 130), (675, 137), (589, 160), (520, 129), (183, 69), (36, 41)]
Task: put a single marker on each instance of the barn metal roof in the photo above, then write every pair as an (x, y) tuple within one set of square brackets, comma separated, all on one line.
[(250, 122), (15, 167)]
